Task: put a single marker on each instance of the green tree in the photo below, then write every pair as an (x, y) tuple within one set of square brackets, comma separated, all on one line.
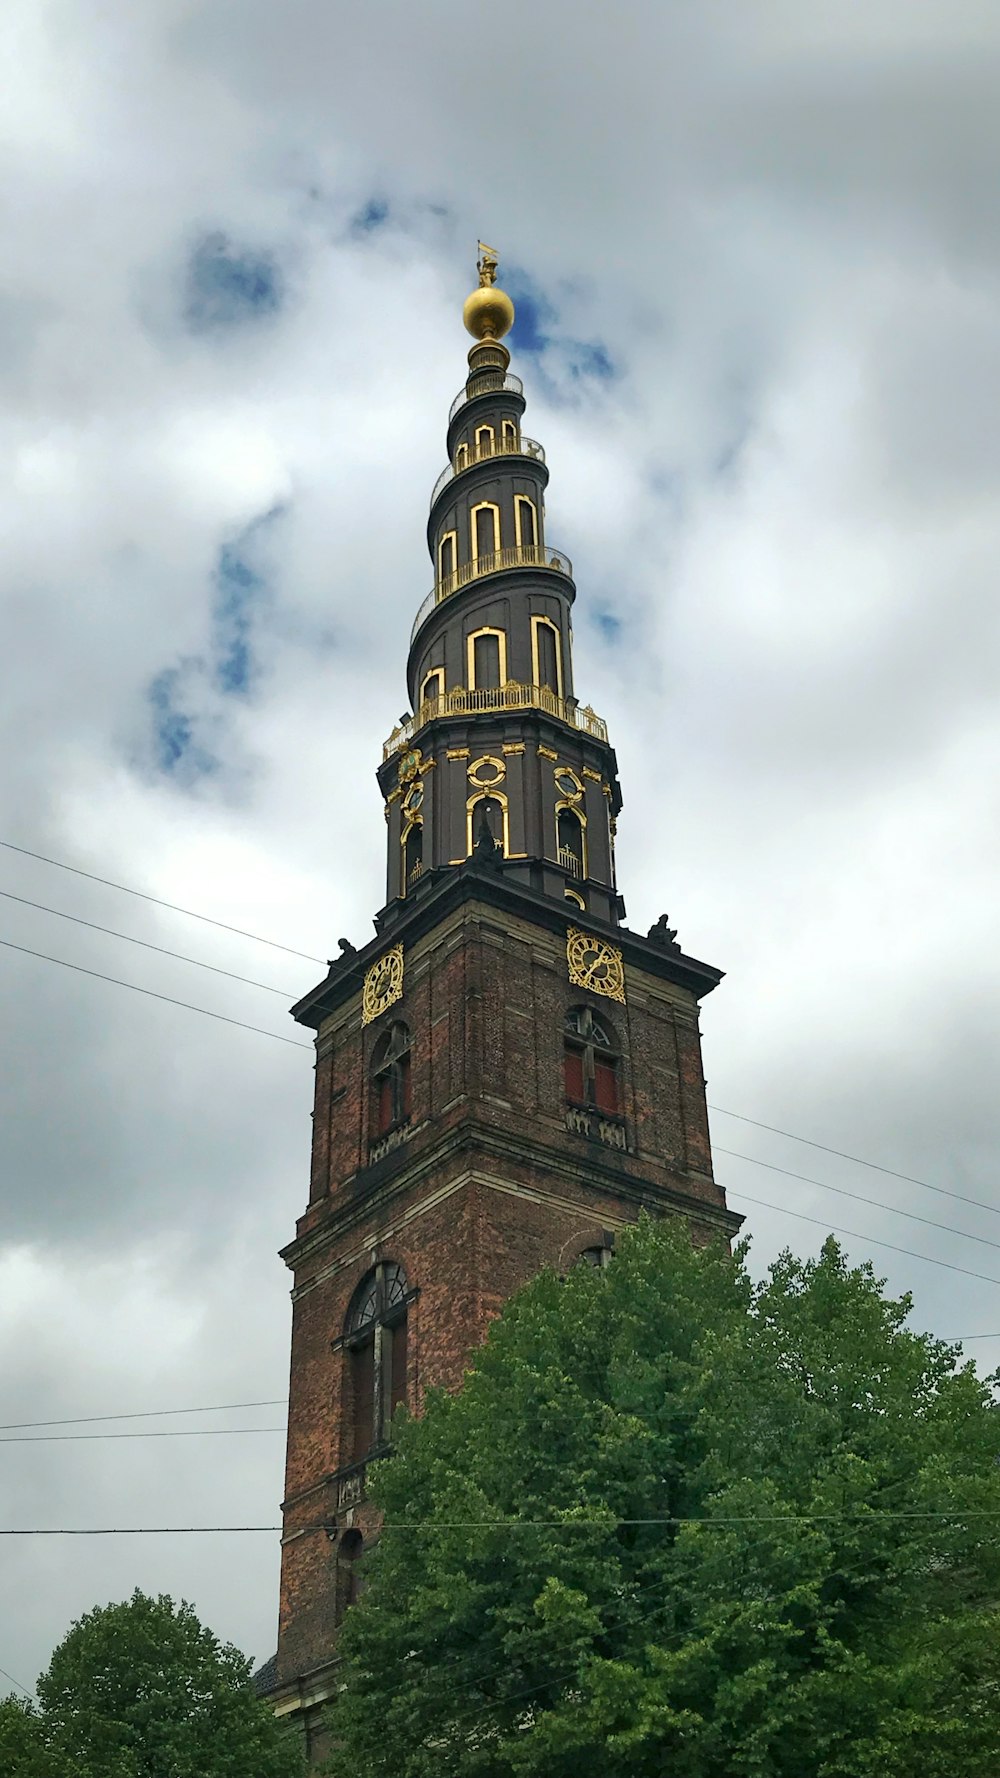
[(23, 1749), (144, 1690), (676, 1522)]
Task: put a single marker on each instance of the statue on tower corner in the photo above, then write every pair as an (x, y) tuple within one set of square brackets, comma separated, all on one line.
[(663, 934)]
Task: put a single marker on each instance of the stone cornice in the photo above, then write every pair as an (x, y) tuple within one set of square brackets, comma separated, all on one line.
[(440, 892)]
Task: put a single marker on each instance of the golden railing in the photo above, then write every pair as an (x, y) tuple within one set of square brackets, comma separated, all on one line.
[(501, 447), (506, 697), (518, 555)]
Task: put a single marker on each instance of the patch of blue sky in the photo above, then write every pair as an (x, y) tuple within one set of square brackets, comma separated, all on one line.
[(372, 216), (536, 333), (229, 285), (609, 625), (178, 753), (242, 588)]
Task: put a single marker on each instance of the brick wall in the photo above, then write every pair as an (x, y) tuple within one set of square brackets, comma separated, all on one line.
[(489, 1186)]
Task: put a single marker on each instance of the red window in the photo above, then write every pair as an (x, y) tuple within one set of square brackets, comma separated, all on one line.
[(574, 1075), (606, 1084)]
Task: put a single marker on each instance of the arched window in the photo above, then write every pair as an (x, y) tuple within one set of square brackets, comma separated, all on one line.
[(570, 837), (525, 521), (485, 438), (447, 555), (546, 655), (413, 854), (598, 1257), (375, 1342), (509, 435), (390, 1096), (490, 810), (590, 1062), (487, 660), (461, 458), (485, 529), (433, 686)]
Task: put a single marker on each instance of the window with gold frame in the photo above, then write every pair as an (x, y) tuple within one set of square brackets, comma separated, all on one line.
[(433, 685), (546, 655), (486, 659), (484, 523), (525, 522), (492, 803), (447, 555)]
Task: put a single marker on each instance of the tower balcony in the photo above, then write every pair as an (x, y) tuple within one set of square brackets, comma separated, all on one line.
[(512, 696), (518, 555), (501, 447), (491, 381)]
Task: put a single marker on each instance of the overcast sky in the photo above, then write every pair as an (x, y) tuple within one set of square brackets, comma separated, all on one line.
[(756, 253)]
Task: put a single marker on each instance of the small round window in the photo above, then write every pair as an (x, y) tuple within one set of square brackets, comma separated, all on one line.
[(567, 783), (486, 771)]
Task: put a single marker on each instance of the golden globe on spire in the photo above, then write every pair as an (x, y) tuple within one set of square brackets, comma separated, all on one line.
[(488, 313)]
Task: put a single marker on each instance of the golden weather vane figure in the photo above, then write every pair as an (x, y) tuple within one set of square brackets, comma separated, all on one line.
[(488, 312)]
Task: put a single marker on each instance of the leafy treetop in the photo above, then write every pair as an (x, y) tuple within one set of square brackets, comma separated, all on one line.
[(679, 1522)]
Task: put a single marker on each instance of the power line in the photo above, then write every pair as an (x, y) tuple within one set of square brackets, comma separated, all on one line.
[(17, 1682), (155, 899), (168, 998), (140, 1530), (222, 1407), (859, 1161), (855, 1236), (608, 1522), (858, 1197), (79, 1438), (109, 932)]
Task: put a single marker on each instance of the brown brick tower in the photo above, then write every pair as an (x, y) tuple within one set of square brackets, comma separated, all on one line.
[(505, 1074)]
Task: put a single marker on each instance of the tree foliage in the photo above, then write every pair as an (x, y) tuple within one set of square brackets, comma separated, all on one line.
[(23, 1749), (144, 1690), (678, 1522)]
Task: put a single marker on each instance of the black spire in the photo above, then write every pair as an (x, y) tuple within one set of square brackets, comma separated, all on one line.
[(490, 667)]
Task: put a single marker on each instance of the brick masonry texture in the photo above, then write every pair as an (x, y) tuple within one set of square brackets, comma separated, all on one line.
[(488, 1187)]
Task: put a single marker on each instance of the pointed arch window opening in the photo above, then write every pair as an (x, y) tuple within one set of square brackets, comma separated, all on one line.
[(510, 435), (590, 1059), (485, 441), (376, 1350)]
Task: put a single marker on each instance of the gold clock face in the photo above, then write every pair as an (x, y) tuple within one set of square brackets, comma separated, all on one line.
[(383, 985), (595, 964)]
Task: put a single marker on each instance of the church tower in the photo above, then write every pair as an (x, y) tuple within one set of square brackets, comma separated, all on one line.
[(505, 1074)]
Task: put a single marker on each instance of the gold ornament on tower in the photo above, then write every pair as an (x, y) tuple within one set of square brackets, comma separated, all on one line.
[(488, 313)]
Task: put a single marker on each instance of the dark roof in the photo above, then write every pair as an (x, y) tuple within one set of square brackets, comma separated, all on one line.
[(265, 1679)]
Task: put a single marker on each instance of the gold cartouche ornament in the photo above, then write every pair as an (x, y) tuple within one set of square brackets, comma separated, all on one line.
[(488, 313)]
